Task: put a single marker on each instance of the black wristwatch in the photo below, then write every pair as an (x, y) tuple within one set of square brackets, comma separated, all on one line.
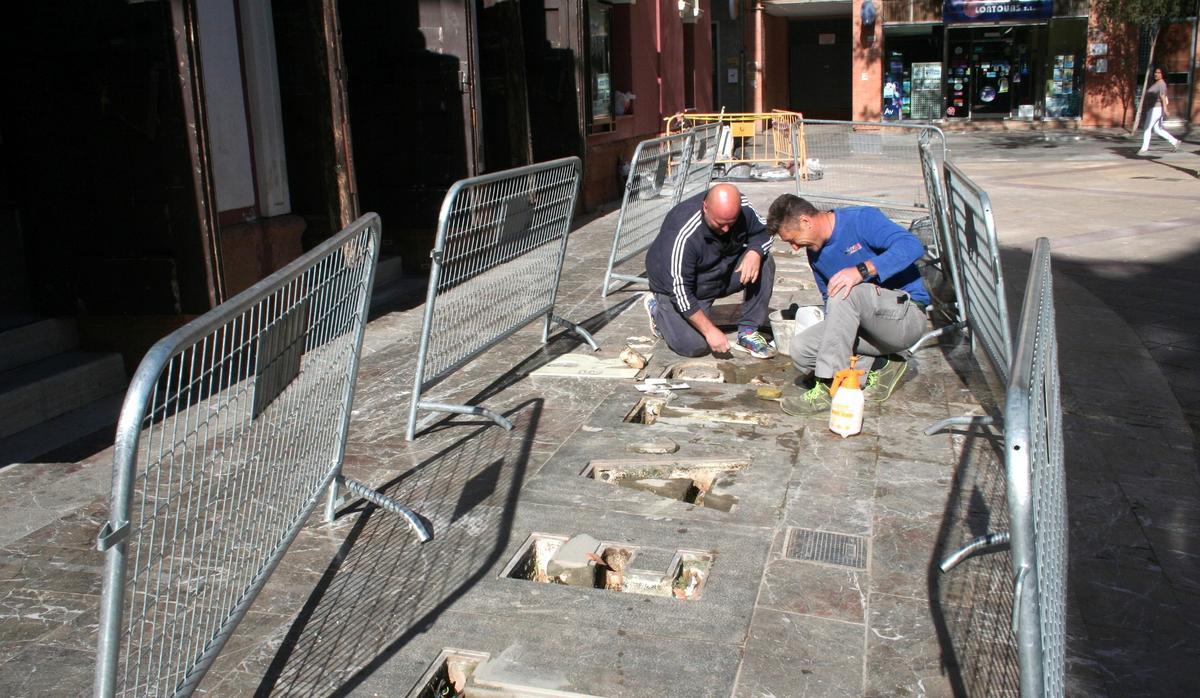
[(862, 269)]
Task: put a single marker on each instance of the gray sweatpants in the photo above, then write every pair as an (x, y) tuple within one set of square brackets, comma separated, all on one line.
[(872, 321)]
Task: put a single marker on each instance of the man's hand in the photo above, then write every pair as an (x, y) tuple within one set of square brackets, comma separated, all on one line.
[(749, 267), (842, 282), (717, 341)]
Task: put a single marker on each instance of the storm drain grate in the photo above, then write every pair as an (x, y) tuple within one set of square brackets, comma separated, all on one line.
[(825, 546)]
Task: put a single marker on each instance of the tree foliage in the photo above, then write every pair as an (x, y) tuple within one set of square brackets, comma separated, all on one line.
[(1142, 12)]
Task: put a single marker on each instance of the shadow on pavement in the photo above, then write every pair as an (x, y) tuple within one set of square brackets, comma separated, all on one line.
[(384, 588)]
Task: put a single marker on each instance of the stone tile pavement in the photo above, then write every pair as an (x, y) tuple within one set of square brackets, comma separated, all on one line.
[(360, 607)]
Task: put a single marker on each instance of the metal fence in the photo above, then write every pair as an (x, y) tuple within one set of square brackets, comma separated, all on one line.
[(701, 160), (976, 250), (651, 191), (861, 163), (752, 138), (1033, 445), (497, 259), (233, 428), (940, 245)]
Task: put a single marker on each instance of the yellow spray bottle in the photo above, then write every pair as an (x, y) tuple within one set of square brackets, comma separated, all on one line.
[(846, 410)]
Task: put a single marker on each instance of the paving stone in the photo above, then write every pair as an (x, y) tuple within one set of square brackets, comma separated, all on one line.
[(904, 656), (826, 591), (789, 654)]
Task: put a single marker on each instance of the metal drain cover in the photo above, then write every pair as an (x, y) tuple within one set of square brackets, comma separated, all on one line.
[(828, 547)]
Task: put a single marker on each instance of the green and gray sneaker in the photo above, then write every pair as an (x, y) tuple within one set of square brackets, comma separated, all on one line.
[(815, 401), (882, 383)]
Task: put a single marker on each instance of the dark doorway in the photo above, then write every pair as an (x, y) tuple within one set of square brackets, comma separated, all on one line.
[(504, 98), (306, 102), (820, 63), (409, 83), (96, 190)]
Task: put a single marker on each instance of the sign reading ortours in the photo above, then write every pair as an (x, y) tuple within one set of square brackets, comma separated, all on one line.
[(960, 11)]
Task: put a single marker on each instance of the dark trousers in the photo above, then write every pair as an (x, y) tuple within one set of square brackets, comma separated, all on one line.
[(685, 340)]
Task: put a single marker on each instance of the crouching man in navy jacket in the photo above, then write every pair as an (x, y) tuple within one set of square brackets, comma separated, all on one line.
[(710, 246)]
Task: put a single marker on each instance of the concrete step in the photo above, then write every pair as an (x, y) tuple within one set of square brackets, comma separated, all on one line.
[(46, 388), (70, 436), (36, 340)]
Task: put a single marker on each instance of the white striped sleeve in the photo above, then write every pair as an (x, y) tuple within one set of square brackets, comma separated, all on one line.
[(679, 289)]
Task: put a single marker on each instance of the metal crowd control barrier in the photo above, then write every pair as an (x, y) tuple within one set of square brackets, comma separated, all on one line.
[(701, 160), (232, 429), (981, 300), (862, 163), (745, 138), (940, 250), (497, 259), (649, 194), (1036, 491), (1033, 446)]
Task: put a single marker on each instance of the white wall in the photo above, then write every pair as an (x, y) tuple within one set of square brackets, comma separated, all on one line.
[(266, 118), (228, 132)]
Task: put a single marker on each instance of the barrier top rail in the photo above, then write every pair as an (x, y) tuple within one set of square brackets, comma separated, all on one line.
[(1037, 488), (497, 260), (977, 257), (232, 428)]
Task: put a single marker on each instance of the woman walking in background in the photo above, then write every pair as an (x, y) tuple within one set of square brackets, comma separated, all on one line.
[(1154, 104)]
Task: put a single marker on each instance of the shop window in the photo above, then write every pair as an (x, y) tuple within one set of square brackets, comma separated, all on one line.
[(1063, 71), (600, 79)]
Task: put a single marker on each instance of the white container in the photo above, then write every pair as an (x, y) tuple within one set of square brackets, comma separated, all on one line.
[(846, 409), (784, 329)]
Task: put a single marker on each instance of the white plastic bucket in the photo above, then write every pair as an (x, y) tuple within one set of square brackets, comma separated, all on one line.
[(784, 329)]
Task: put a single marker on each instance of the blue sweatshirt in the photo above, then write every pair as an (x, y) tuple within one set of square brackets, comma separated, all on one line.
[(689, 261), (862, 234)]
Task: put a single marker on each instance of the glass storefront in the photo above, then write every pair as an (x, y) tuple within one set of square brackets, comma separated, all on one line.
[(992, 72), (972, 70)]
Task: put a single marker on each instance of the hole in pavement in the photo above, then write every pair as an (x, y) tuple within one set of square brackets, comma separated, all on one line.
[(583, 561), (449, 675), (705, 483), (778, 371), (651, 410)]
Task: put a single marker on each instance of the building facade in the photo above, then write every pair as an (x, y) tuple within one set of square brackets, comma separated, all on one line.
[(159, 156), (967, 61)]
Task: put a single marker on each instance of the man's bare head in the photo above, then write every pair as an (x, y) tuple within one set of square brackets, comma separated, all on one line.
[(721, 207)]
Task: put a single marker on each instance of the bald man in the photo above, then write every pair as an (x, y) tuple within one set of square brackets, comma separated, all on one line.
[(710, 246)]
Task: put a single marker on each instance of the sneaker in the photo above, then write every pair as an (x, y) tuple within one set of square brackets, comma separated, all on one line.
[(755, 344), (1143, 151), (650, 303), (1175, 146), (882, 383), (815, 401)]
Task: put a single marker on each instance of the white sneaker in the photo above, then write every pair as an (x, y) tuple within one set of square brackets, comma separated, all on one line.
[(1143, 151)]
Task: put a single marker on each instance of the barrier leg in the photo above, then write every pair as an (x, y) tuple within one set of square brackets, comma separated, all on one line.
[(467, 409), (989, 543), (384, 502), (967, 420), (587, 336), (935, 333)]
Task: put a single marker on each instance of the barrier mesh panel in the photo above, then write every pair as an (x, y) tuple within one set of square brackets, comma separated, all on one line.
[(977, 259), (231, 433)]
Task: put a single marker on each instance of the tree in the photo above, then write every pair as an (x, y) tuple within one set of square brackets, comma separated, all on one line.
[(1145, 13)]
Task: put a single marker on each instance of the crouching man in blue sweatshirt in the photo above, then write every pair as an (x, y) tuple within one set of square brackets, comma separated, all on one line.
[(711, 245), (865, 268)]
